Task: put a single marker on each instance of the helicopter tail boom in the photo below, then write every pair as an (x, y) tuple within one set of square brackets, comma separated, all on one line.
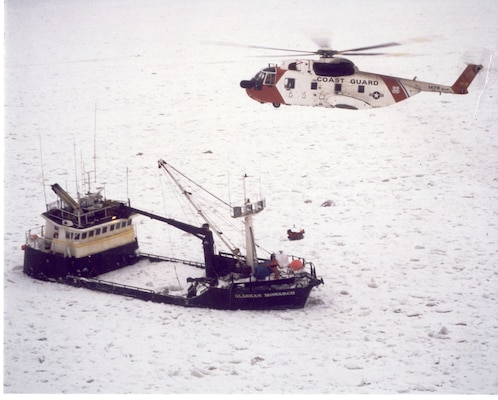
[(459, 87)]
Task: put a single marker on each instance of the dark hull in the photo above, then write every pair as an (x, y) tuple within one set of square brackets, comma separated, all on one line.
[(84, 272), (267, 296), (53, 266)]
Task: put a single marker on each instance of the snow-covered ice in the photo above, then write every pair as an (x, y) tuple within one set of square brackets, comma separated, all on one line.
[(408, 248)]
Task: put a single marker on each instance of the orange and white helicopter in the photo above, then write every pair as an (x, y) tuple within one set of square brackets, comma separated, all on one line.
[(337, 82)]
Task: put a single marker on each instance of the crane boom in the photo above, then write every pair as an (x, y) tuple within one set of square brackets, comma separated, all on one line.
[(203, 233)]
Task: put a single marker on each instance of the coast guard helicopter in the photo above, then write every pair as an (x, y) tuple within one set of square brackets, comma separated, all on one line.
[(337, 82)]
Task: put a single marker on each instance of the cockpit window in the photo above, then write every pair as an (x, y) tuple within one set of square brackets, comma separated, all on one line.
[(267, 76), (258, 80), (270, 78)]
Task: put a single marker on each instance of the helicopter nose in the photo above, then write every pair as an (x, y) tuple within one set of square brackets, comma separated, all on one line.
[(247, 84)]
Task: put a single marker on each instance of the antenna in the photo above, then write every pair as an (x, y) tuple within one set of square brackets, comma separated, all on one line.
[(76, 167), (82, 171), (229, 190), (42, 171), (246, 200), (95, 144), (127, 194)]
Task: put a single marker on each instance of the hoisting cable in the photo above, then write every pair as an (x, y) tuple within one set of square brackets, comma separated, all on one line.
[(199, 186), (169, 233)]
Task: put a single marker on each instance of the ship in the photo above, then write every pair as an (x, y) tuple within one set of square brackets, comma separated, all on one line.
[(82, 240)]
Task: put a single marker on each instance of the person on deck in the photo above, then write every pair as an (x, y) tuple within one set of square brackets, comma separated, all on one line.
[(264, 270), (274, 266)]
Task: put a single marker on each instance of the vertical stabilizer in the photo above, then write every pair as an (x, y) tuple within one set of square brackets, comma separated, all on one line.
[(466, 78)]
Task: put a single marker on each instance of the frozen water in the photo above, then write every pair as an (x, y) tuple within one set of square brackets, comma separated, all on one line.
[(408, 248)]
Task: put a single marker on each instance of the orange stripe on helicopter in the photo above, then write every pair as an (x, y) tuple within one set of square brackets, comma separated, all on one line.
[(268, 94), (396, 88)]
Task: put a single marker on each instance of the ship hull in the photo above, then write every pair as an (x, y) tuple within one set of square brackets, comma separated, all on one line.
[(266, 296), (54, 266), (84, 272), (253, 299)]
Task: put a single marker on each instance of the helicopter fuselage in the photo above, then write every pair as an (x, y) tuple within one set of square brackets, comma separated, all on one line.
[(337, 83)]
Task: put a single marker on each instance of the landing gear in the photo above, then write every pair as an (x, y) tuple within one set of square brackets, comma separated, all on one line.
[(276, 105)]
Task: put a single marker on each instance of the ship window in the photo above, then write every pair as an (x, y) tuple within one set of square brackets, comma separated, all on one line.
[(83, 235), (68, 235), (123, 224), (104, 229), (129, 222), (97, 231), (111, 227), (338, 87), (91, 233), (361, 89), (314, 85), (76, 236)]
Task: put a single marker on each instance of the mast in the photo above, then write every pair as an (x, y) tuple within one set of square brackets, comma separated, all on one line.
[(247, 211)]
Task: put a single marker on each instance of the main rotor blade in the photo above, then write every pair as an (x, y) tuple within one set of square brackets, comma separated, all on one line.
[(362, 54), (378, 46), (249, 46), (377, 54), (323, 51), (287, 55)]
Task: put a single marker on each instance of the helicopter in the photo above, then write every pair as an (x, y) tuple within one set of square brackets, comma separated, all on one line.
[(336, 82)]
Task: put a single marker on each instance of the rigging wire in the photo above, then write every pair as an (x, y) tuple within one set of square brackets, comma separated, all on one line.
[(168, 228), (196, 192), (199, 186), (202, 201)]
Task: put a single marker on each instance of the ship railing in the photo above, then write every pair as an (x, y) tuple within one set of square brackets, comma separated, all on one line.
[(54, 205), (87, 217), (107, 286), (36, 239), (158, 258), (308, 266)]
